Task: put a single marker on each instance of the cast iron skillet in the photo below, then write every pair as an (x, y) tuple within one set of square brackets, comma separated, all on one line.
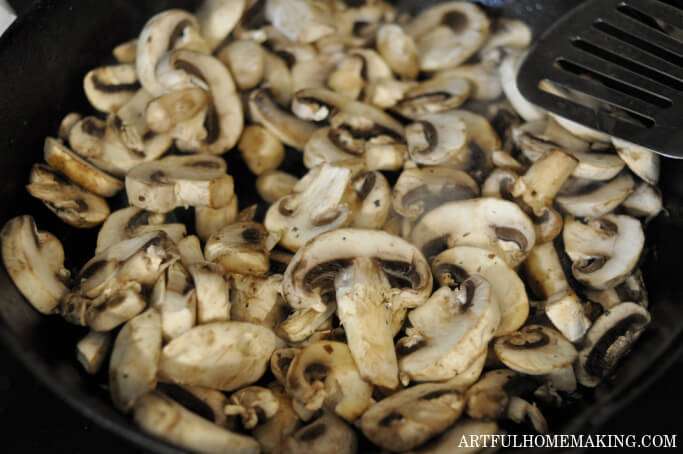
[(43, 59)]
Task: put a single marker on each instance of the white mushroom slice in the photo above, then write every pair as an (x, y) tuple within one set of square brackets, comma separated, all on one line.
[(119, 307), (218, 355), (494, 224), (318, 104), (320, 201), (301, 324), (209, 220), (92, 350), (489, 396), (631, 290), (505, 33), (195, 180), (173, 112), (324, 374), (434, 95), (71, 203), (324, 435), (134, 359), (601, 200), (609, 340), (644, 201), (176, 300), (67, 123), (162, 417), (80, 171), (204, 402), (579, 130), (324, 146), (508, 76), (413, 415), (239, 248), (544, 271), (385, 93), (603, 250), (483, 77), (257, 299), (304, 21), (126, 52), (274, 185), (280, 362), (503, 160), (277, 79), (35, 261), (347, 79), (164, 32), (261, 149), (360, 122), (109, 87), (399, 50), (642, 161), (519, 410), (253, 404), (273, 433), (246, 61), (453, 266), (566, 313), (535, 350), (437, 138), (130, 222), (374, 194), (217, 18), (449, 331), (313, 72), (448, 34), (289, 129), (450, 442)]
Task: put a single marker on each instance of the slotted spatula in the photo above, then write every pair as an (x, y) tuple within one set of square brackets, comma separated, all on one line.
[(615, 66)]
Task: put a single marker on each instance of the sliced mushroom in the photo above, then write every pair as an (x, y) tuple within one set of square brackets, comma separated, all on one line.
[(253, 404), (434, 95), (134, 360), (449, 331), (505, 33), (386, 93), (175, 298), (71, 203), (204, 402), (483, 77), (240, 247), (399, 50), (277, 80), (257, 299), (273, 185), (218, 355), (180, 113), (374, 194), (92, 350), (411, 416), (209, 220), (314, 71), (109, 87), (217, 18), (109, 311), (273, 433), (453, 266), (318, 104), (544, 271), (289, 129), (494, 224), (436, 138), (130, 222), (631, 290), (261, 150), (301, 324), (300, 20), (489, 396), (600, 200), (448, 34), (508, 75), (566, 312), (451, 441), (126, 51), (67, 123), (535, 350), (609, 340), (519, 410), (644, 201), (166, 419), (35, 261), (246, 61), (324, 435), (603, 250), (280, 361), (641, 161), (160, 186)]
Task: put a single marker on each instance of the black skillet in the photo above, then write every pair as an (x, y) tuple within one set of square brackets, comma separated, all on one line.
[(43, 58)]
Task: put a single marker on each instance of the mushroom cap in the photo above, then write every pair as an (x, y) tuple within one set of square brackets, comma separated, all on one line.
[(506, 285), (131, 222), (535, 350), (603, 250), (217, 18), (498, 225), (273, 185), (310, 275), (109, 87), (261, 150), (399, 50), (246, 61), (436, 138)]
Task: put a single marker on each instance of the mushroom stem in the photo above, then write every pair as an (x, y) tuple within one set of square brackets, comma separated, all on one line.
[(361, 291)]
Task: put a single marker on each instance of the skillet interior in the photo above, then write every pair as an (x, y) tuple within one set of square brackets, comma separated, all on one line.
[(43, 58)]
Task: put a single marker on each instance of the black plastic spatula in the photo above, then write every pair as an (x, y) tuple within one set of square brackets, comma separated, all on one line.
[(615, 66)]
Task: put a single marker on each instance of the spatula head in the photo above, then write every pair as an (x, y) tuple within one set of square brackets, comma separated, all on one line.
[(615, 66)]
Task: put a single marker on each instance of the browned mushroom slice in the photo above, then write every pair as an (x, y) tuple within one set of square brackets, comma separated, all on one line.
[(483, 77), (261, 149), (209, 220), (324, 435), (126, 51), (508, 70), (317, 104), (92, 350), (109, 87), (374, 194), (535, 350), (257, 299), (273, 185), (273, 433), (177, 112), (289, 129), (434, 95), (240, 248), (489, 396), (246, 61), (644, 201), (131, 222)]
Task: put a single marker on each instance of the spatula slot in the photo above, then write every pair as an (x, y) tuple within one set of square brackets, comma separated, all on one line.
[(674, 3), (662, 24)]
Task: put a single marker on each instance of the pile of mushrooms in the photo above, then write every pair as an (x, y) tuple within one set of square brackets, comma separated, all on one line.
[(435, 272)]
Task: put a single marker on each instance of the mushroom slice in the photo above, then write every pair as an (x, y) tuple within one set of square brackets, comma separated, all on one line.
[(631, 290), (535, 350), (452, 267), (325, 146), (449, 331), (35, 261), (218, 355), (126, 52), (71, 203), (399, 50), (196, 180), (642, 161), (210, 220), (489, 396), (361, 122), (301, 324), (109, 87), (567, 314), (253, 404), (176, 300), (257, 299), (448, 34), (205, 402), (644, 201), (412, 416), (261, 149), (277, 79), (317, 104), (289, 129), (544, 271), (438, 94), (322, 436), (67, 123), (92, 350), (164, 32), (130, 222), (162, 417), (217, 18), (313, 72), (320, 201), (603, 250), (304, 21), (174, 111), (273, 185), (280, 362), (324, 374), (483, 77), (374, 194), (134, 359), (494, 224), (273, 433), (505, 33), (508, 75), (519, 410), (109, 311), (451, 441), (609, 340), (239, 248), (437, 138), (601, 200), (80, 171), (246, 61), (386, 93)]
